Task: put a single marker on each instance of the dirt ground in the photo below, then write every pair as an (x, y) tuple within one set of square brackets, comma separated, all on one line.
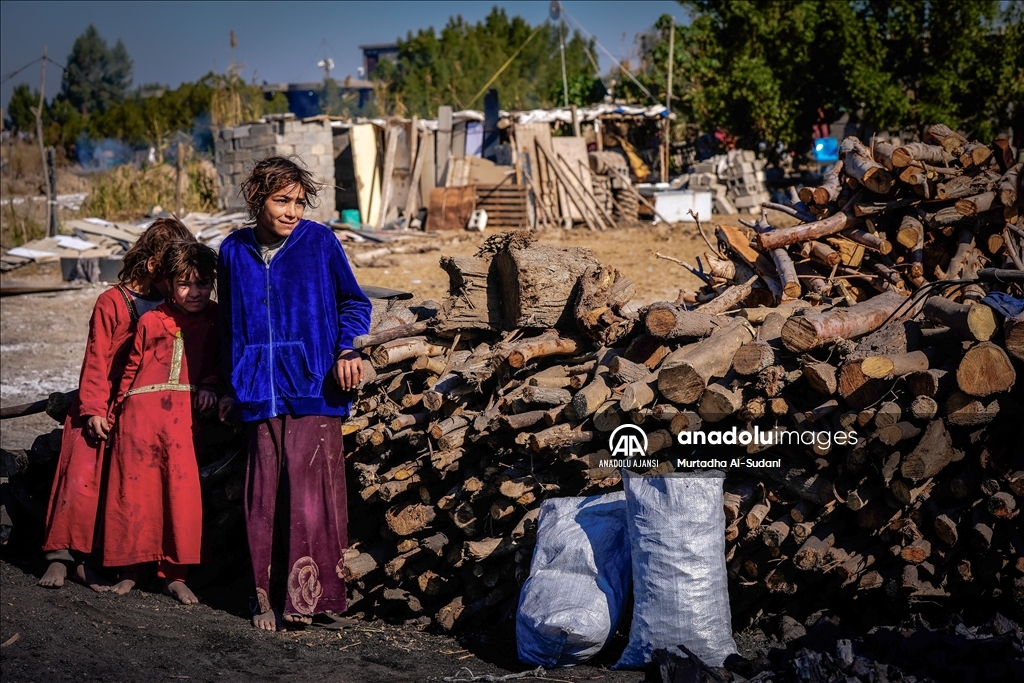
[(74, 634)]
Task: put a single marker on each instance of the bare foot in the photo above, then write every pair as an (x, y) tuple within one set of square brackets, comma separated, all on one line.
[(267, 621), (127, 582), (88, 577), (298, 619), (178, 589), (54, 576)]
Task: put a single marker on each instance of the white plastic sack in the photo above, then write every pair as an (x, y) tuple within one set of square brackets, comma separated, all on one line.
[(579, 580), (677, 539)]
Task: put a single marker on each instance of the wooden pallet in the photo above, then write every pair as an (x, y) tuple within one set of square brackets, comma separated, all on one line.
[(505, 205)]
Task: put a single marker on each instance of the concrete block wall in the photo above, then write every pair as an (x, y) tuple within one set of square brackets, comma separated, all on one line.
[(236, 151)]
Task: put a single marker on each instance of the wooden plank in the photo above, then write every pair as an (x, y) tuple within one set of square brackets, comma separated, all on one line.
[(451, 207), (112, 232), (573, 151), (389, 171), (417, 150), (364, 161), (444, 144), (428, 175)]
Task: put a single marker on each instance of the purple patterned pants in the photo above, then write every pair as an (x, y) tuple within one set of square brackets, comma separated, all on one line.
[(296, 513)]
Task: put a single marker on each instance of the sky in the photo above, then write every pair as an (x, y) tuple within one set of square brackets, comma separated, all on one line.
[(175, 42)]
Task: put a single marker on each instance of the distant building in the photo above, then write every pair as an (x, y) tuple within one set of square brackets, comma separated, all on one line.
[(373, 54), (304, 98)]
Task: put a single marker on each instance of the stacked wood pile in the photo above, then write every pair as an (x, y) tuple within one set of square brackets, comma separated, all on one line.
[(923, 505)]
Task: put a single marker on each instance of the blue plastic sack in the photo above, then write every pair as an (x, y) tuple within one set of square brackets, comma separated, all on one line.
[(579, 579), (676, 529)]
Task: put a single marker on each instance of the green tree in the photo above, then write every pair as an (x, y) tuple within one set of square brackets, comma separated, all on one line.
[(452, 66), (96, 76), (20, 108), (767, 70)]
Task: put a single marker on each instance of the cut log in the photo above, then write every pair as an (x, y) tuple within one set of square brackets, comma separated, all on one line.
[(933, 155), (931, 454), (549, 344), (985, 370), (948, 139), (400, 350), (591, 397), (600, 317), (538, 283), (811, 331), (828, 191), (546, 396), (753, 357), (558, 436), (390, 334), (1008, 186), (683, 379), (972, 206), (899, 364), (783, 237), (729, 298), (822, 378), (1013, 336), (474, 300), (406, 520), (719, 401), (859, 165), (668, 321)]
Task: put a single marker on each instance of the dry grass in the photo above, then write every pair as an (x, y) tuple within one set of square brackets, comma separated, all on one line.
[(128, 193)]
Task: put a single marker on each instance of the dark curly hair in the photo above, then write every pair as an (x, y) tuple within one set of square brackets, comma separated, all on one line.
[(151, 245), (271, 175), (182, 258)]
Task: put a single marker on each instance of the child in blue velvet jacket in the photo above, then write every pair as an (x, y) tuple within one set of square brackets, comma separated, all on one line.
[(290, 308)]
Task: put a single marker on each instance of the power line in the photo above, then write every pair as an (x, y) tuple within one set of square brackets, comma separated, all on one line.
[(622, 68), (18, 71)]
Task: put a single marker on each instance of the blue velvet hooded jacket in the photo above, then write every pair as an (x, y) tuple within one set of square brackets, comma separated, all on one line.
[(286, 322)]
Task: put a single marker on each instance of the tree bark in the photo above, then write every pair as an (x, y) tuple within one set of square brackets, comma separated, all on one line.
[(685, 378), (810, 331)]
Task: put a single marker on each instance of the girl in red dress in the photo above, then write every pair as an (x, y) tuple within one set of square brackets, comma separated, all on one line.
[(72, 513), (153, 506)]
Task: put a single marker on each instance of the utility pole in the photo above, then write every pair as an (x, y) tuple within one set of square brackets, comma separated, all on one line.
[(51, 190), (555, 10), (38, 111), (668, 103)]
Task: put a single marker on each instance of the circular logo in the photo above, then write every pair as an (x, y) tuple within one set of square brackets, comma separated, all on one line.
[(623, 442)]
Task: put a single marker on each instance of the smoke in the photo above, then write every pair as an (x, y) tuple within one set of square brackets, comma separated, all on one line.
[(102, 154)]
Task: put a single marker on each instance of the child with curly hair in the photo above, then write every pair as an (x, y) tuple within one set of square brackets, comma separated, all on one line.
[(153, 509), (72, 513)]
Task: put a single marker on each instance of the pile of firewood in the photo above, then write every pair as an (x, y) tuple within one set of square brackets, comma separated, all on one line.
[(843, 323), (887, 313)]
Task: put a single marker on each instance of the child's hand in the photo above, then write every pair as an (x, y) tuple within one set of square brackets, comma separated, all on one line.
[(224, 407), (98, 427), (348, 371), (204, 400)]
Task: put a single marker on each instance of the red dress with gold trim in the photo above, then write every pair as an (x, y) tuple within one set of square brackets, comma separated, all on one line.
[(153, 507)]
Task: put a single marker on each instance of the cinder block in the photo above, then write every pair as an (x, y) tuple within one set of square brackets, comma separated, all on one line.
[(284, 150), (241, 131), (311, 137), (317, 150), (261, 129)]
